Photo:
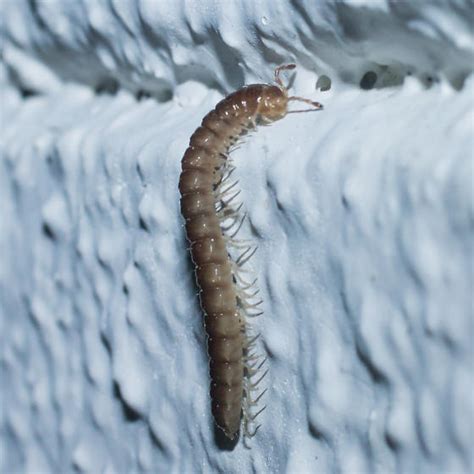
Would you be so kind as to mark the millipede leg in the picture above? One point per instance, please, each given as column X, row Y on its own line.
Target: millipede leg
column 253, row 386
column 251, row 341
column 220, row 194
column 225, row 203
column 249, row 285
column 248, row 296
column 251, row 357
column 254, row 402
column 238, row 243
column 245, row 256
column 239, row 226
column 241, row 260
column 225, row 177
column 239, row 280
column 244, row 301
column 226, row 212
column 253, row 417
column 256, row 363
column 252, row 306
column 250, row 368
column 250, row 434
column 235, row 220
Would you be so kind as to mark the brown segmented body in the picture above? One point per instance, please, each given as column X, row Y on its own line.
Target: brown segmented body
column 222, row 300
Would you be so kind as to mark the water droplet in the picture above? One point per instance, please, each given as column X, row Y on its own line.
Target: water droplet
column 323, row 83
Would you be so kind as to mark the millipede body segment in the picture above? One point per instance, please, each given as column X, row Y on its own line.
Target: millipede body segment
column 212, row 221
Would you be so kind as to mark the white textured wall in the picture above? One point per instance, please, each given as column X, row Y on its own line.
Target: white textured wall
column 363, row 215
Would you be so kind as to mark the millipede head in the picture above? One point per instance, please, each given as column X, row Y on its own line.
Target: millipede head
column 273, row 100
column 289, row 67
column 272, row 103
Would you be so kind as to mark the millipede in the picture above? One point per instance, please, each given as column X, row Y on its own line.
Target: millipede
column 212, row 221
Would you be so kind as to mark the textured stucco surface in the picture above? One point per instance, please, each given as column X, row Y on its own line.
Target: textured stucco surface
column 363, row 215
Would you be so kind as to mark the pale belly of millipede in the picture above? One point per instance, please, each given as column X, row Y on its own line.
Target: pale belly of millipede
column 212, row 221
